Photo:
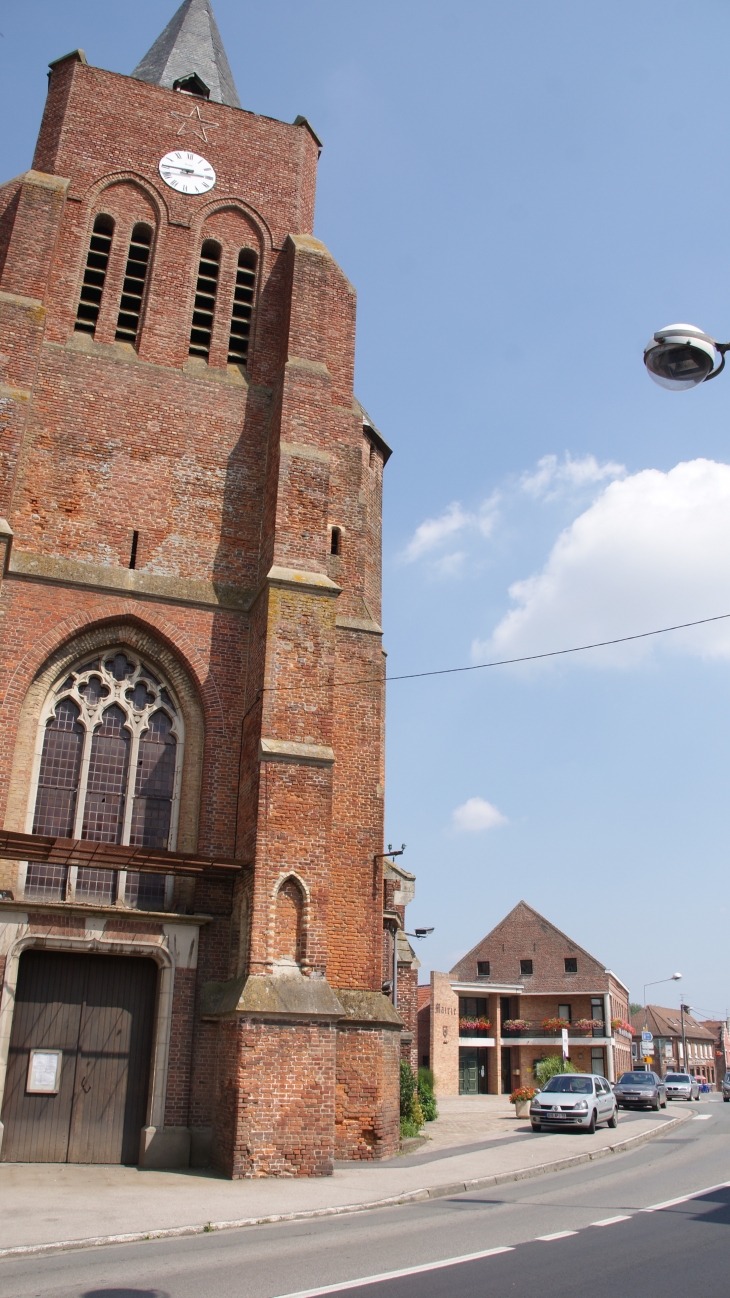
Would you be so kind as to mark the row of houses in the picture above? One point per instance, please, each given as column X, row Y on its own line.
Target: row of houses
column 484, row 1026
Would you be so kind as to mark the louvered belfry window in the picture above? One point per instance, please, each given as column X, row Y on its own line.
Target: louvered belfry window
column 111, row 758
column 242, row 308
column 92, row 287
column 135, row 279
column 206, row 291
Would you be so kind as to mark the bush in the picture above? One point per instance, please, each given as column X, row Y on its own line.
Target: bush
column 407, row 1088
column 551, row 1066
column 425, row 1094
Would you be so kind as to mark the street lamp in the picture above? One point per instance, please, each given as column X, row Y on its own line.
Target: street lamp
column 681, row 356
column 673, row 978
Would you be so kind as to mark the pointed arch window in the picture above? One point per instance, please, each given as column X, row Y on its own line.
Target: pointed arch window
column 135, row 280
column 242, row 308
column 206, row 292
column 108, row 767
column 92, row 288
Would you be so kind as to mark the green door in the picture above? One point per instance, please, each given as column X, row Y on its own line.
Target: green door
column 468, row 1072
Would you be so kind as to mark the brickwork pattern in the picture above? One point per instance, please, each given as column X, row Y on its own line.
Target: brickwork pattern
column 223, row 474
column 367, row 1110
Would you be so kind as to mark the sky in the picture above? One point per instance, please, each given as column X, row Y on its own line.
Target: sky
column 521, row 195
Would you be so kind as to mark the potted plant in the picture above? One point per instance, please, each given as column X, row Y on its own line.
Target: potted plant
column 521, row 1098
column 515, row 1025
column 473, row 1026
column 588, row 1025
column 555, row 1025
column 620, row 1025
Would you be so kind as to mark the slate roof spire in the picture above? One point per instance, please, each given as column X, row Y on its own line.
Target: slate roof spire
column 190, row 48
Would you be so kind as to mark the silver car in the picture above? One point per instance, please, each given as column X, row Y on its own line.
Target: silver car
column 640, row 1090
column 680, row 1086
column 580, row 1100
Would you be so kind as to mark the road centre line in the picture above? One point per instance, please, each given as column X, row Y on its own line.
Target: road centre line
column 684, row 1198
column 558, row 1234
column 395, row 1275
column 610, row 1221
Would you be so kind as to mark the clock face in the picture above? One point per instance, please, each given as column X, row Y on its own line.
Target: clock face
column 188, row 173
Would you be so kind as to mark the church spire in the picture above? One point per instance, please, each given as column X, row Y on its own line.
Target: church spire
column 189, row 55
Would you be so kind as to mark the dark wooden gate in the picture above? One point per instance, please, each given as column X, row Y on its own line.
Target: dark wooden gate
column 98, row 1010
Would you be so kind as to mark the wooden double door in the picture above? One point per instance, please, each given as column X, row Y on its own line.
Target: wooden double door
column 98, row 1012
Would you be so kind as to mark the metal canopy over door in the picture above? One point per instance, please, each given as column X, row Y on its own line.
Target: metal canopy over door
column 99, row 1012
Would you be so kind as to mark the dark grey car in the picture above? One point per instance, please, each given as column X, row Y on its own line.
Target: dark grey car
column 640, row 1091
column 726, row 1087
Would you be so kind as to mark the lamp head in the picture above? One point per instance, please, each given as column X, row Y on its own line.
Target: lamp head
column 680, row 356
column 675, row 977
column 422, row 932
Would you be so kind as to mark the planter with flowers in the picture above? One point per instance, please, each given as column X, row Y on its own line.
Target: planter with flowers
column 474, row 1026
column 555, row 1025
column 588, row 1026
column 515, row 1026
column 620, row 1025
column 521, row 1098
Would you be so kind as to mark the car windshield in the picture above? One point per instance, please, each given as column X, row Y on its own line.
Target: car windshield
column 677, row 1077
column 570, row 1085
column 637, row 1079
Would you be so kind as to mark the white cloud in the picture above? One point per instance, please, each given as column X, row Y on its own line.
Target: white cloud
column 475, row 815
column 433, row 531
column 430, row 533
column 549, row 477
column 653, row 550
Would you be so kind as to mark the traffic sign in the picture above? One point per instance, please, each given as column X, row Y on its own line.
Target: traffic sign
column 647, row 1036
column 647, row 1048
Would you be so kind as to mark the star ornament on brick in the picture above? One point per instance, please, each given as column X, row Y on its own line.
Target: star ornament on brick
column 193, row 123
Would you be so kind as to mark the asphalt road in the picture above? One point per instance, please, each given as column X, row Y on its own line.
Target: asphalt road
column 605, row 1227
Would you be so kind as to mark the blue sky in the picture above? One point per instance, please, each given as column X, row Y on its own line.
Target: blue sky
column 521, row 194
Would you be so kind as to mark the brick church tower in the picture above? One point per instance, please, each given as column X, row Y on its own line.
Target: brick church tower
column 191, row 783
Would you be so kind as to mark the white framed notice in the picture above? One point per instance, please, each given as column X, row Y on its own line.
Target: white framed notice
column 44, row 1072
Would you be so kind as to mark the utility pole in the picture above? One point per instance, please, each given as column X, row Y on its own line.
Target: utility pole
column 682, row 1008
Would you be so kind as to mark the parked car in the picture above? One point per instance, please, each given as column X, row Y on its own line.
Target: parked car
column 726, row 1087
column 574, row 1100
column 680, row 1086
column 640, row 1090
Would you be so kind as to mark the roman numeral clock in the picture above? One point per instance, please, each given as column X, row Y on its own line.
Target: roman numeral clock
column 188, row 173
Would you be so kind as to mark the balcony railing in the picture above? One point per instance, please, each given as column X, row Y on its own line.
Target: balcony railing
column 529, row 1028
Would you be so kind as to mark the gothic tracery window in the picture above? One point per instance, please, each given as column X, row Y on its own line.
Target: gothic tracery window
column 109, row 766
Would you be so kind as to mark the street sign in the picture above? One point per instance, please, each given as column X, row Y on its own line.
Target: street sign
column 566, row 1048
column 647, row 1036
column 647, row 1048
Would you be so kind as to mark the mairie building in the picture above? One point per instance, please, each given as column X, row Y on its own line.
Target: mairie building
column 513, row 1000
column 193, row 944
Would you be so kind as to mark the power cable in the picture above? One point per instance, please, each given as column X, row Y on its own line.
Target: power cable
column 505, row 662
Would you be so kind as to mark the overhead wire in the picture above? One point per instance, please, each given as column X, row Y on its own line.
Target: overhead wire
column 504, row 662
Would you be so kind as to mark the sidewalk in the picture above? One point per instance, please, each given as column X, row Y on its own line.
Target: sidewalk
column 474, row 1140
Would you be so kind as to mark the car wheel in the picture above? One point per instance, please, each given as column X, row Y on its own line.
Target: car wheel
column 664, row 1103
column 592, row 1124
column 536, row 1126
column 613, row 1120
column 726, row 1099
column 697, row 1098
column 655, row 1104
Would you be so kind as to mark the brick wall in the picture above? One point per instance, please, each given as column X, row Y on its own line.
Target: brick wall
column 224, row 474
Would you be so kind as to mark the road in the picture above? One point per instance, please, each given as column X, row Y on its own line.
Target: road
column 603, row 1228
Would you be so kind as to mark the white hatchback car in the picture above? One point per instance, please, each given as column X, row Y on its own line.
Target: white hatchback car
column 574, row 1100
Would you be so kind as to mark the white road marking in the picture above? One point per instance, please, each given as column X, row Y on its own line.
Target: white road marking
column 703, row 1117
column 609, row 1221
column 394, row 1275
column 684, row 1198
column 558, row 1234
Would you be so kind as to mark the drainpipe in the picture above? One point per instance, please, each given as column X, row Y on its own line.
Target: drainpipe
column 609, row 1033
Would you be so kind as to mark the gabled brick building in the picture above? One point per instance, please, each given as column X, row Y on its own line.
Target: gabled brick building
column 669, row 1055
column 501, row 1010
column 191, row 772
